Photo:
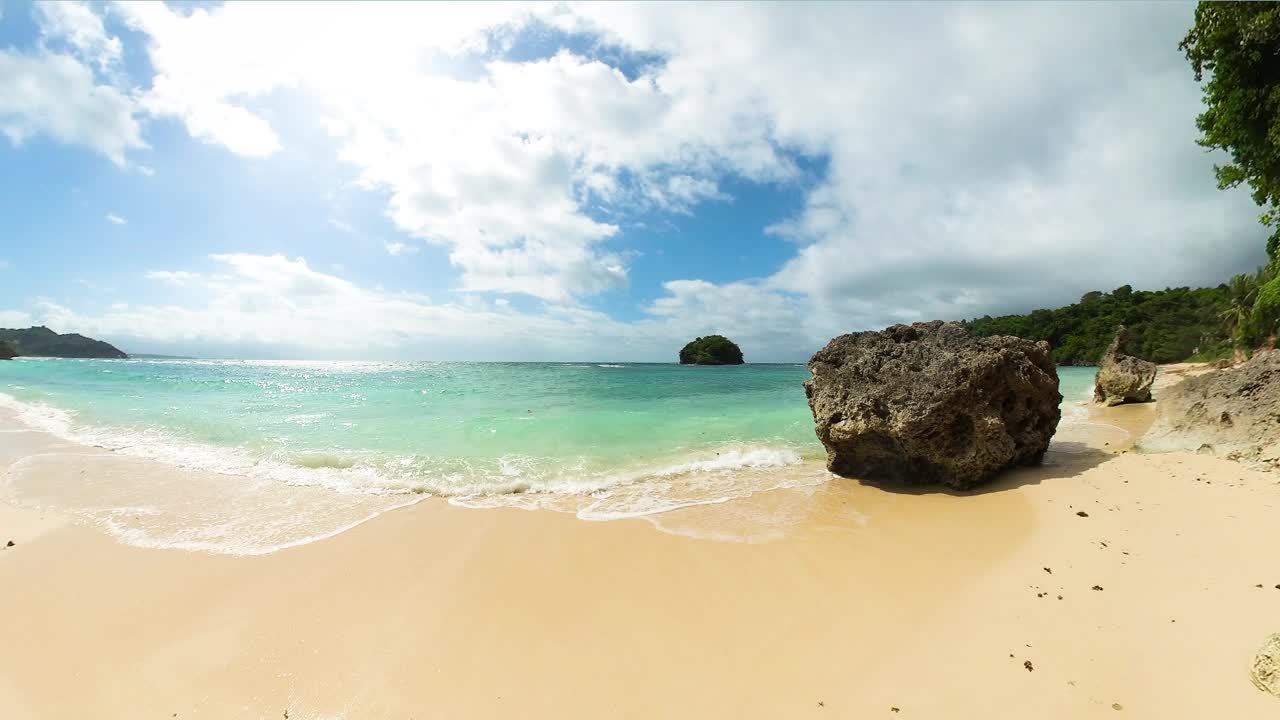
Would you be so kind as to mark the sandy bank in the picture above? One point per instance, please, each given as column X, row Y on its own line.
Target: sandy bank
column 866, row 600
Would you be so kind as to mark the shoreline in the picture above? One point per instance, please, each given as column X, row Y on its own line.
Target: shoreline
column 869, row 599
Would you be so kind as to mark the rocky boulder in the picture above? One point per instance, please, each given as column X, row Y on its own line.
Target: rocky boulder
column 930, row 403
column 1122, row 378
column 1265, row 672
column 1231, row 413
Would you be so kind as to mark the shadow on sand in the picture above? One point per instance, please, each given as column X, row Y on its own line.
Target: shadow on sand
column 1063, row 460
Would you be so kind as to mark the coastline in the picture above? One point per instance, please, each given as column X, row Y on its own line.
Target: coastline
column 840, row 600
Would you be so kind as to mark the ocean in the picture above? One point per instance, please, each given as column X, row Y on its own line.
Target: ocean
column 603, row 440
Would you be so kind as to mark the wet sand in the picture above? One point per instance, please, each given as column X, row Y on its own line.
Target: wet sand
column 843, row 601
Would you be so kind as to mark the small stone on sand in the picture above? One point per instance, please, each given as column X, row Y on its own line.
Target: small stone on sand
column 1082, row 513
column 1027, row 664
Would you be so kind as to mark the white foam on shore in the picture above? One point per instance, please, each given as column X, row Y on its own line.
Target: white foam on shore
column 252, row 511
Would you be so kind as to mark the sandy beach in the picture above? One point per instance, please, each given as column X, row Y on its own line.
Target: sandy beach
column 1104, row 584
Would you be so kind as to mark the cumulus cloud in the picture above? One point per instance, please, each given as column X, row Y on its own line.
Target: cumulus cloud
column 115, row 219
column 273, row 305
column 56, row 95
column 978, row 156
column 52, row 90
column 973, row 158
column 76, row 24
column 981, row 158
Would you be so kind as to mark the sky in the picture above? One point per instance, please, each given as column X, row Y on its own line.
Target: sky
column 563, row 181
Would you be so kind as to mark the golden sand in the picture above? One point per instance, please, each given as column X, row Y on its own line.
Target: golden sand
column 861, row 600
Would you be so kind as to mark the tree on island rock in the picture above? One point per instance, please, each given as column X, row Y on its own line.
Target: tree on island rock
column 711, row 350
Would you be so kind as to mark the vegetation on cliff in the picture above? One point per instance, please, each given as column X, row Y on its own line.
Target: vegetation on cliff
column 42, row 342
column 1163, row 325
column 711, row 350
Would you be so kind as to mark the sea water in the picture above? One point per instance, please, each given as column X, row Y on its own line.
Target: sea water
column 604, row 440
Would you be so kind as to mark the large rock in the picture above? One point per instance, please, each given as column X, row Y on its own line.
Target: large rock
column 1265, row 672
column 1122, row 378
column 1231, row 413
column 6, row 351
column 930, row 403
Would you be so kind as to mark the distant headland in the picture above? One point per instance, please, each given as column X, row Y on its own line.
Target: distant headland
column 40, row 341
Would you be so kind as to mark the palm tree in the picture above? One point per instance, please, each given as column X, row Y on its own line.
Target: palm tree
column 1241, row 290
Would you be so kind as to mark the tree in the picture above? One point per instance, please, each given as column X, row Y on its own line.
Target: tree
column 1236, row 317
column 1237, row 44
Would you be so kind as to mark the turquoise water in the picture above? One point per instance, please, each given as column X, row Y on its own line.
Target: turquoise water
column 441, row 428
column 626, row 439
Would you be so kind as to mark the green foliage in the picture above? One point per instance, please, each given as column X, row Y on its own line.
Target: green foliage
column 1237, row 46
column 1266, row 307
column 1164, row 325
column 711, row 350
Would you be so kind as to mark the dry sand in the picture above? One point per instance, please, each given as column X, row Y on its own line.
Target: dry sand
column 872, row 603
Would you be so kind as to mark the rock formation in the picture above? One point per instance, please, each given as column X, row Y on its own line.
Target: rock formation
column 6, row 351
column 1231, row 413
column 930, row 403
column 1265, row 672
column 711, row 350
column 40, row 341
column 1122, row 378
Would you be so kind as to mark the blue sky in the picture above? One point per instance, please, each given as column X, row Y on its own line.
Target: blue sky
column 589, row 181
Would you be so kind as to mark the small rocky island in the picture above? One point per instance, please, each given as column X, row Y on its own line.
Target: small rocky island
column 1122, row 378
column 40, row 341
column 928, row 403
column 711, row 350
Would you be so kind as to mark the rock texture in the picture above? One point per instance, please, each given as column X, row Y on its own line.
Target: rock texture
column 1232, row 413
column 6, row 351
column 1122, row 378
column 930, row 403
column 1266, row 666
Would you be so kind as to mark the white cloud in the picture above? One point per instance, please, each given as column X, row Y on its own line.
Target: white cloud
column 146, row 170
column 76, row 24
column 116, row 219
column 973, row 162
column 272, row 305
column 340, row 225
column 969, row 160
column 15, row 319
column 173, row 277
column 56, row 95
column 399, row 248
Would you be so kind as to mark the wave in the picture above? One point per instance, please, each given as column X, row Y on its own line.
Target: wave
column 466, row 481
